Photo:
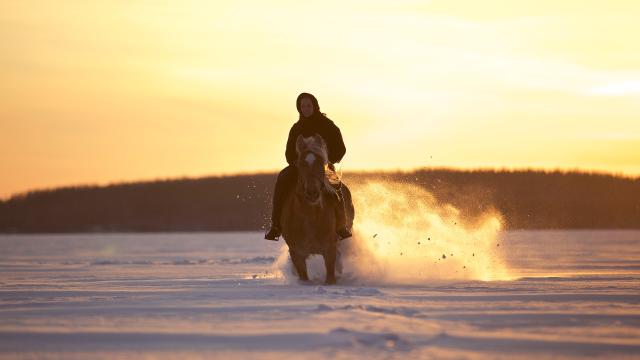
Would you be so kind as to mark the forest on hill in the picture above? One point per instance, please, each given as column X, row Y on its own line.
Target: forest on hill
column 526, row 200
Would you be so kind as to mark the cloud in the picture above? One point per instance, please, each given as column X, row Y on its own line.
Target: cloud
column 619, row 88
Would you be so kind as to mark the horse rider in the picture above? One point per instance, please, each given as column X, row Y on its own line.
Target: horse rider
column 311, row 121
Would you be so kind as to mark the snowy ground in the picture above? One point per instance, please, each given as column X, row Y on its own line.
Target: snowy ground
column 219, row 295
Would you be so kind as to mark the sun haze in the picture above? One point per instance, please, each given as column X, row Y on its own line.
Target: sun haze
column 98, row 92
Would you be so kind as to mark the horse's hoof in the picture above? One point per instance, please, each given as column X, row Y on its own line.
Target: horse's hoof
column 330, row 282
column 344, row 233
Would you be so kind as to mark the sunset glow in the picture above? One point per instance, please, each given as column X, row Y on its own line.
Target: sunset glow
column 100, row 92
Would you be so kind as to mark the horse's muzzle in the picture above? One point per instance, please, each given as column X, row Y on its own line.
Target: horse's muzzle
column 311, row 195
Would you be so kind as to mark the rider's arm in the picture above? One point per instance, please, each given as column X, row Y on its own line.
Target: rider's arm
column 335, row 144
column 290, row 153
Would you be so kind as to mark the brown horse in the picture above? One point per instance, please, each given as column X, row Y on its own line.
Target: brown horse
column 309, row 213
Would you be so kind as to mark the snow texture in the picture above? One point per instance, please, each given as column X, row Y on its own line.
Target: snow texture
column 569, row 294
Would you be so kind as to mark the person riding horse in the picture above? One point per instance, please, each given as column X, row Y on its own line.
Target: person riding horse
column 311, row 121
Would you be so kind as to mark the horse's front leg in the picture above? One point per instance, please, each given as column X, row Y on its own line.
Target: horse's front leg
column 330, row 264
column 300, row 264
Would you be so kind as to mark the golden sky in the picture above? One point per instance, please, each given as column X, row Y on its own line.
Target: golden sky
column 95, row 92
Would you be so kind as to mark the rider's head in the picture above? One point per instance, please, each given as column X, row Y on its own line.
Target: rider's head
column 307, row 105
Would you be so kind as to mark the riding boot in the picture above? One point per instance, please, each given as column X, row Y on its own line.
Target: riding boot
column 275, row 232
column 341, row 218
column 286, row 178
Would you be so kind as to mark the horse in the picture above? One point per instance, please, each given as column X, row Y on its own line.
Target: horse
column 309, row 213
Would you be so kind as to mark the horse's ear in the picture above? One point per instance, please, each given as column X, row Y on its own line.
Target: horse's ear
column 300, row 145
column 318, row 139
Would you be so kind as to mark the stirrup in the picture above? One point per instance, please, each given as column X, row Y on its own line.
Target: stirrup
column 273, row 233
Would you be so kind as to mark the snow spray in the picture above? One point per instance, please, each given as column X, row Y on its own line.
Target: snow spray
column 402, row 235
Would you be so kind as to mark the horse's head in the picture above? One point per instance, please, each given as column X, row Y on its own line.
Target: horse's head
column 312, row 160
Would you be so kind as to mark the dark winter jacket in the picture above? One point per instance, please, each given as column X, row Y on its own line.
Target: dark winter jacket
column 321, row 125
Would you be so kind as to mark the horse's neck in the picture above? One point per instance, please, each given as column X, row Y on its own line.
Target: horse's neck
column 298, row 197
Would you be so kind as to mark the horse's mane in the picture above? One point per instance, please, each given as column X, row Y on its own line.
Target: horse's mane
column 330, row 178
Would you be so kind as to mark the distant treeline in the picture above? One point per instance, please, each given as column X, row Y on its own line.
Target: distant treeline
column 526, row 200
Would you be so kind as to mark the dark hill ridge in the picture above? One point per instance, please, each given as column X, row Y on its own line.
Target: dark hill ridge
column 526, row 199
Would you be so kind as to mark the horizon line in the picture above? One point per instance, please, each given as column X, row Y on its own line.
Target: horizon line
column 366, row 171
